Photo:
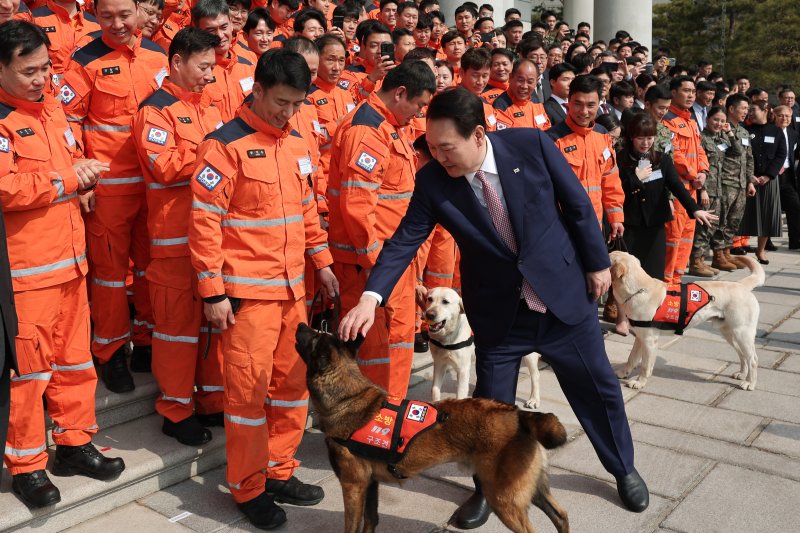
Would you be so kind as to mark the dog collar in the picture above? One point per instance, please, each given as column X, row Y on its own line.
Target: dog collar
column 457, row 346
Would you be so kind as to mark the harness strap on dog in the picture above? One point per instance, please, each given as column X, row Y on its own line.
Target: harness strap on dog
column 388, row 434
column 678, row 308
column 457, row 346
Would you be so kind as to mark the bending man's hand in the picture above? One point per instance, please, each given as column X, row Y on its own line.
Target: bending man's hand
column 220, row 314
column 359, row 319
column 329, row 281
column 597, row 283
column 617, row 229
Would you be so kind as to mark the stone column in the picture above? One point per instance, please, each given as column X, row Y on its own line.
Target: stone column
column 633, row 16
column 576, row 11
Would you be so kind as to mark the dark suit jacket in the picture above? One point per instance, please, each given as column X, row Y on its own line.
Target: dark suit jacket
column 555, row 111
column 768, row 157
column 8, row 321
column 553, row 219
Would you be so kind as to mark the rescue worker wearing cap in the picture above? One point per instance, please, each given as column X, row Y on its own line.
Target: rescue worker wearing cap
column 514, row 108
column 67, row 25
column 369, row 188
column 692, row 166
column 369, row 67
column 42, row 173
column 253, row 221
column 475, row 69
column 167, row 130
column 233, row 74
column 589, row 151
column 104, row 84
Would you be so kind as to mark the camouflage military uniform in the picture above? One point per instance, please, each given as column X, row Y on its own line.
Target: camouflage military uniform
column 737, row 169
column 714, row 146
column 663, row 142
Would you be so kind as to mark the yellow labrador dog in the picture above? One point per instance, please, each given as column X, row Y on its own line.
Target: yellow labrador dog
column 731, row 305
column 452, row 345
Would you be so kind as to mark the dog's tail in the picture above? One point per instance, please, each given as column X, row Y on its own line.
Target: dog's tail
column 545, row 427
column 756, row 277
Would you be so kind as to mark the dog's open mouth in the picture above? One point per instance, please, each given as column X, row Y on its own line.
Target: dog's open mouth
column 436, row 326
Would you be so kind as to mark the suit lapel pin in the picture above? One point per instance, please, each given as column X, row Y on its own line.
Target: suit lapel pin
column 516, row 171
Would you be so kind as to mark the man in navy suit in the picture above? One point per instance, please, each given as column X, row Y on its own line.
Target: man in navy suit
column 533, row 292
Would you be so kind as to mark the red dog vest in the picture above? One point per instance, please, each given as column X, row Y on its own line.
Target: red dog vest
column 387, row 436
column 679, row 306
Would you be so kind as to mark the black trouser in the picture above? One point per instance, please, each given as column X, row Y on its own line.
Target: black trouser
column 790, row 202
column 5, row 398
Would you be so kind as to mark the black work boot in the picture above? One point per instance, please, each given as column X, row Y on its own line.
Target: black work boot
column 188, row 431
column 474, row 512
column 142, row 358
column 420, row 344
column 211, row 419
column 115, row 373
column 86, row 460
column 294, row 491
column 35, row 489
column 262, row 512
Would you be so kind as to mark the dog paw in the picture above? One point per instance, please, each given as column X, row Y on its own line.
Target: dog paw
column 636, row 384
column 532, row 404
column 622, row 374
column 738, row 375
column 746, row 385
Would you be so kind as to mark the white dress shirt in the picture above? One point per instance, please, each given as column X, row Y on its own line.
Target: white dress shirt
column 787, row 162
column 489, row 167
column 700, row 113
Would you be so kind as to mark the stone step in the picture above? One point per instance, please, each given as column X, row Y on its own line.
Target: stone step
column 153, row 462
column 112, row 409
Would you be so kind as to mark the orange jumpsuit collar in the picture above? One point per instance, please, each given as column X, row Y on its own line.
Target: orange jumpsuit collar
column 684, row 114
column 378, row 104
column 498, row 84
column 182, row 94
column 247, row 114
column 132, row 48
column 26, row 105
column 324, row 85
column 580, row 130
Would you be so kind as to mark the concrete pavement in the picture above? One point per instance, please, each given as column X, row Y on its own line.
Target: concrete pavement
column 716, row 458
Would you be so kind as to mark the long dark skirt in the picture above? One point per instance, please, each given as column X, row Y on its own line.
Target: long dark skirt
column 762, row 212
column 649, row 246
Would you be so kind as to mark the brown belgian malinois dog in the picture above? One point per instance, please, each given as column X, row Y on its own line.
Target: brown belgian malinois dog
column 501, row 444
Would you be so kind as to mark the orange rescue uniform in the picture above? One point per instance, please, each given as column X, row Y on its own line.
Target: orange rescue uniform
column 167, row 130
column 65, row 32
column 233, row 82
column 590, row 154
column 103, row 86
column 253, row 221
column 690, row 160
column 493, row 90
column 513, row 113
column 47, row 253
column 369, row 188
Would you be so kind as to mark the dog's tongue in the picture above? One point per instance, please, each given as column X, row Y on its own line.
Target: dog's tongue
column 437, row 326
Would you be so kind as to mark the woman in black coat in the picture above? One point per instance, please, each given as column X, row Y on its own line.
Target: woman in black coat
column 762, row 212
column 647, row 178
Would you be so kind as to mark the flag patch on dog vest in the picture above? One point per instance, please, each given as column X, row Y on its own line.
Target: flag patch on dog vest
column 680, row 305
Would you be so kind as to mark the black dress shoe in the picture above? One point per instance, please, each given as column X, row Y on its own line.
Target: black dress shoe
column 142, row 359
column 770, row 247
column 86, row 460
column 294, row 491
column 211, row 420
column 115, row 373
column 188, row 431
column 749, row 249
column 738, row 250
column 762, row 261
column 473, row 513
column 35, row 489
column 262, row 512
column 633, row 492
column 420, row 344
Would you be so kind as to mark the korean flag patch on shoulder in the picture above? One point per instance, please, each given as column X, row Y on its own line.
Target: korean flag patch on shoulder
column 157, row 136
column 5, row 145
column 209, row 177
column 366, row 161
column 66, row 94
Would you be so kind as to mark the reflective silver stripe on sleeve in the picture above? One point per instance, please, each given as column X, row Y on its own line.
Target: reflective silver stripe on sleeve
column 169, row 242
column 355, row 184
column 175, row 338
column 360, row 251
column 106, row 283
column 121, row 181
column 73, row 368
column 261, row 282
column 145, row 323
column 246, row 421
column 333, row 192
column 184, row 401
column 204, row 275
column 316, row 249
column 438, row 274
column 262, row 223
column 308, row 200
column 400, row 345
column 286, row 403
column 370, row 362
column 210, row 388
column 59, row 185
column 64, row 263
column 170, row 186
column 60, row 199
column 34, row 376
column 208, row 207
column 104, row 127
column 101, row 340
column 395, row 196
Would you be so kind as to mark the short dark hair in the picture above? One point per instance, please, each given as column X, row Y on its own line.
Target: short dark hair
column 657, row 92
column 420, row 144
column 450, row 36
column 586, row 84
column 609, row 121
column 384, row 3
column 20, row 38
column 476, row 59
column 209, row 9
column 306, row 15
column 461, row 106
column 742, row 77
column 487, row 6
column 347, row 10
column 369, row 27
column 516, row 23
column 301, row 45
column 280, row 66
column 291, row 4
column 785, row 89
column 415, row 76
column 400, row 32
column 466, row 7
column 244, row 3
column 482, row 20
column 402, row 6
column 521, row 62
column 437, row 15
column 256, row 16
column 620, row 89
column 419, row 54
column 556, row 71
column 584, row 25
column 581, row 61
column 734, row 100
column 703, row 86
column 191, row 40
column 643, row 80
column 505, row 52
column 327, row 40
column 676, row 82
column 424, row 22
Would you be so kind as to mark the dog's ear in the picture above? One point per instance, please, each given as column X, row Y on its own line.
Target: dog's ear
column 355, row 344
column 618, row 269
column 461, row 306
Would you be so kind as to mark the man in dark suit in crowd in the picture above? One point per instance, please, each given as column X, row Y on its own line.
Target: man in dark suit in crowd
column 555, row 106
column 789, row 190
column 8, row 324
column 533, row 263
